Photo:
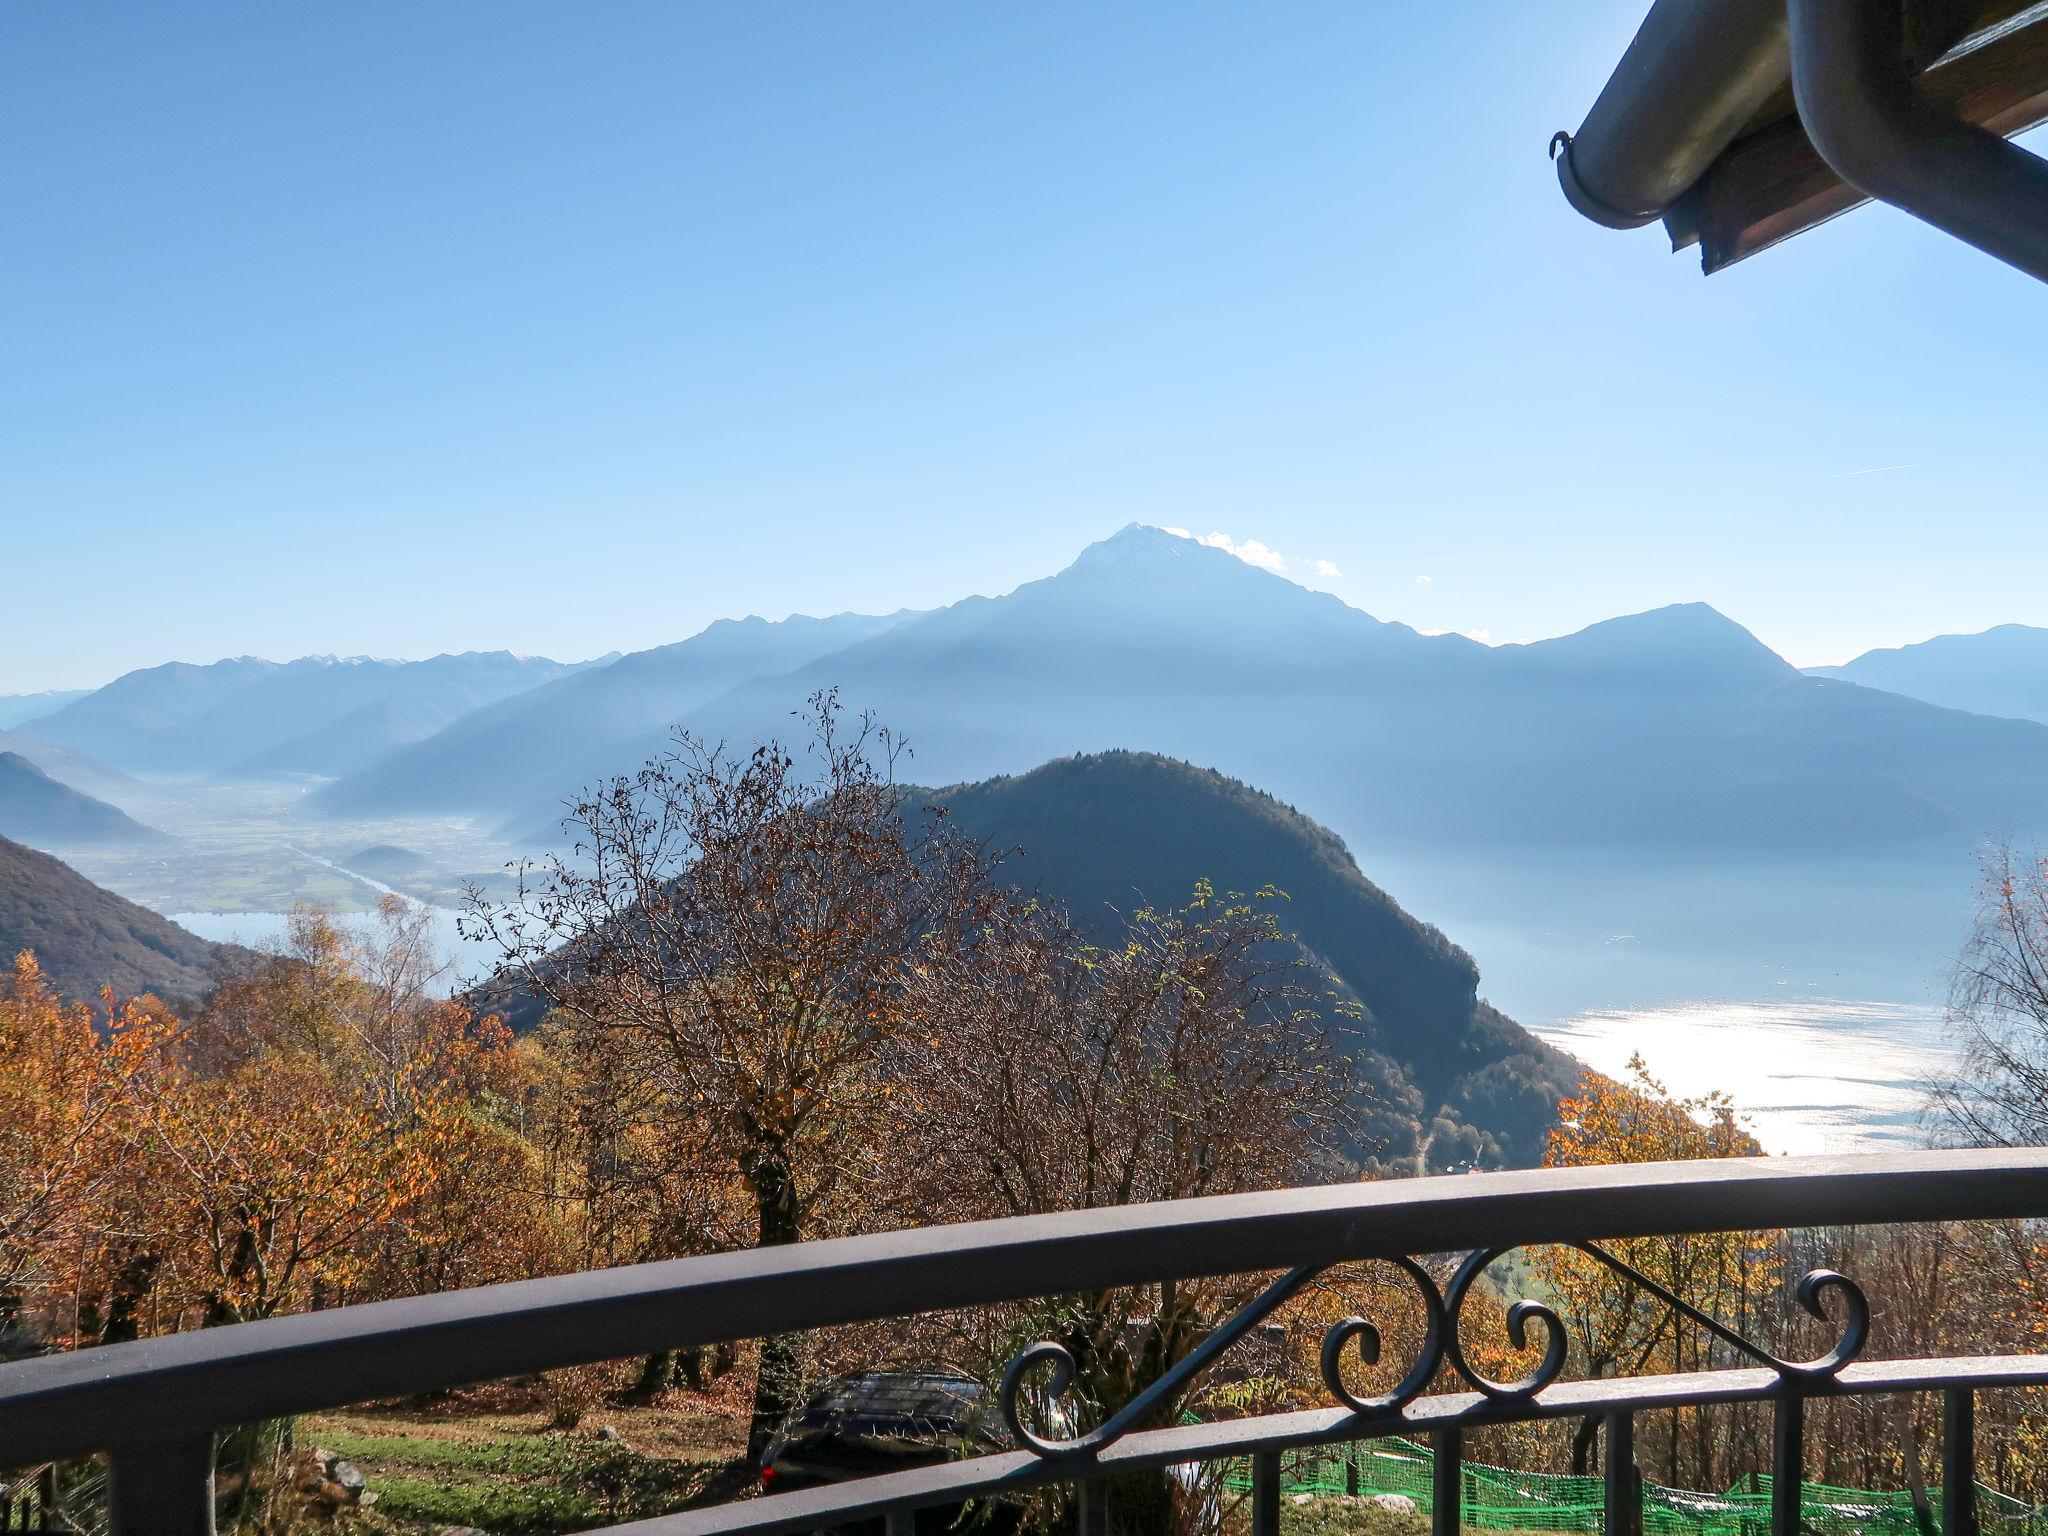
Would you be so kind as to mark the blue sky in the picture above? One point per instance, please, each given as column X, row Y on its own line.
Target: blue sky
column 393, row 328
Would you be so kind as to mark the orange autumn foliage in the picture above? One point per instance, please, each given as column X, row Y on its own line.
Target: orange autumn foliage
column 56, row 1118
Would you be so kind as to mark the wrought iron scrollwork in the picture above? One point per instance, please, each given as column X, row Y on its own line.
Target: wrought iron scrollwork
column 1009, row 1395
column 1443, row 1313
column 1520, row 1315
column 1367, row 1338
column 1812, row 1288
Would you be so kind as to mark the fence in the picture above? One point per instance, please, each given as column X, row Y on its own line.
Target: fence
column 1503, row 1499
column 157, row 1405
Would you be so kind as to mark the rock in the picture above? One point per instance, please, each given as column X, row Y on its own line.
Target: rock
column 1300, row 1498
column 462, row 1530
column 1393, row 1503
column 349, row 1478
column 607, row 1432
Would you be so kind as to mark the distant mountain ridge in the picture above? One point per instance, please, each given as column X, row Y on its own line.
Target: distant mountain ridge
column 16, row 708
column 1673, row 734
column 1448, row 1079
column 1668, row 734
column 1999, row 671
column 514, row 751
column 86, row 938
column 37, row 810
column 86, row 774
column 247, row 717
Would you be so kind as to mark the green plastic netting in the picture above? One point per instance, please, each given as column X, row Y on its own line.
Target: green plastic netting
column 1498, row 1498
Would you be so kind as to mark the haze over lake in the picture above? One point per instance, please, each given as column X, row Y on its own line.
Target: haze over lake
column 1816, row 1003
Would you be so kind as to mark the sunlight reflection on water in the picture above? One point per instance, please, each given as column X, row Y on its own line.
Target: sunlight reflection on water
column 1816, row 1075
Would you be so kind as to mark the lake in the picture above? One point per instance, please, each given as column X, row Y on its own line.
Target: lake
column 1813, row 1075
column 1813, row 995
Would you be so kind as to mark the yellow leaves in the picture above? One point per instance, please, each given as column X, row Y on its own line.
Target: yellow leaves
column 53, row 1118
column 1609, row 1122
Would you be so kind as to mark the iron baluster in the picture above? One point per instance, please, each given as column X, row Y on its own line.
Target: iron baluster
column 1958, row 1462
column 1624, row 1483
column 1266, row 1494
column 1788, row 1463
column 163, row 1487
column 1447, row 1482
column 1093, row 1508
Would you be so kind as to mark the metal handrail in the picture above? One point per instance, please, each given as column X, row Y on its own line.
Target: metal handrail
column 155, row 1404
column 833, row 1504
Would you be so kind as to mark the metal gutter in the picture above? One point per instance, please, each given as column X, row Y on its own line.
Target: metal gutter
column 1859, row 106
column 1696, row 72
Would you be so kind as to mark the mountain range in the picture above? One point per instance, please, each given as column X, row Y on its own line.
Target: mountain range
column 580, row 726
column 1671, row 734
column 18, row 707
column 250, row 718
column 86, row 938
column 75, row 769
column 1999, row 671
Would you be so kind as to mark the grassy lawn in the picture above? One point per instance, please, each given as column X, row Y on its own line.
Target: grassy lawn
column 469, row 1464
column 488, row 1459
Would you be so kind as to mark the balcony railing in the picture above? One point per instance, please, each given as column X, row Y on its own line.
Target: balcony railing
column 155, row 1406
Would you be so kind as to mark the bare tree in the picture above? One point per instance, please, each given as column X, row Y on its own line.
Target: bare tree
column 757, row 920
column 1998, row 1011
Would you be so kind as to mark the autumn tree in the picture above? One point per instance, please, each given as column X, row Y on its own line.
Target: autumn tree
column 755, row 918
column 57, row 1124
column 1191, row 1057
column 325, row 1129
column 628, row 1172
column 1616, row 1327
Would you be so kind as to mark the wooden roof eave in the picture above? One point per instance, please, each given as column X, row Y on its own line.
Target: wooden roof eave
column 1771, row 184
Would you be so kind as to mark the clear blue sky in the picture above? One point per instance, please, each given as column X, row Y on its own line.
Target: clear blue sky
column 398, row 328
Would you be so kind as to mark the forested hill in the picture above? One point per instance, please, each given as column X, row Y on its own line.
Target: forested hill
column 1109, row 832
column 86, row 938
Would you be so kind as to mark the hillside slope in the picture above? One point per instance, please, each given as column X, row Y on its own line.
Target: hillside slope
column 86, row 937
column 1107, row 834
column 67, row 766
column 37, row 810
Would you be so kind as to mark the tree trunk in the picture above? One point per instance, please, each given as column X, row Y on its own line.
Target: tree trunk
column 658, row 1373
column 125, row 1298
column 1583, row 1440
column 777, row 1382
column 1143, row 1503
